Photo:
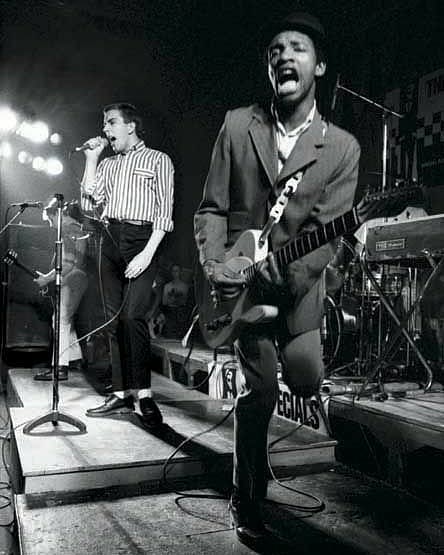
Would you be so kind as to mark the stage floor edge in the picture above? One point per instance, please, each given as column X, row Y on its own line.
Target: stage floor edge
column 118, row 452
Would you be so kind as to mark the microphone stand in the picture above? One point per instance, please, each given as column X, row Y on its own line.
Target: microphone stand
column 5, row 227
column 386, row 112
column 54, row 415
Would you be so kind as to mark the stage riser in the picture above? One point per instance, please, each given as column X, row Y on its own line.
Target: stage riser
column 118, row 452
column 386, row 439
column 75, row 482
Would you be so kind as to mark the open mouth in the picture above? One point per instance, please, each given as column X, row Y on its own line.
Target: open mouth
column 287, row 74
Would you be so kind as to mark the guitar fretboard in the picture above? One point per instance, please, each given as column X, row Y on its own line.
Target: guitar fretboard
column 308, row 242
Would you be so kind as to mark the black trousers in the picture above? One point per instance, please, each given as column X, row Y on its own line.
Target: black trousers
column 302, row 371
column 128, row 333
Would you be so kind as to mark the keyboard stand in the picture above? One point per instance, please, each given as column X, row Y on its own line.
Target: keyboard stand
column 401, row 324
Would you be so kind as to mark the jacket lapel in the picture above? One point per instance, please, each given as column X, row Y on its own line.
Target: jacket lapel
column 306, row 149
column 263, row 136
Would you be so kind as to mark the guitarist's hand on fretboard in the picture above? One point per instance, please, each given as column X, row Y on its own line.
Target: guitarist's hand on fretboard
column 227, row 283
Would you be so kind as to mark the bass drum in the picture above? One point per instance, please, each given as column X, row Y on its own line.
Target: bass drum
column 340, row 331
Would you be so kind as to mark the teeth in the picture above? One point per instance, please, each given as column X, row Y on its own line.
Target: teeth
column 286, row 74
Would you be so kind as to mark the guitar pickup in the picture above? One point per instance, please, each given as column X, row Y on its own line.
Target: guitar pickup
column 220, row 322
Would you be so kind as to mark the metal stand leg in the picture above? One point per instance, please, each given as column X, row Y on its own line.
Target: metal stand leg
column 401, row 324
column 54, row 415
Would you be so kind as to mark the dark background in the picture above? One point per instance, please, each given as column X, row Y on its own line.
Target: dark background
column 184, row 63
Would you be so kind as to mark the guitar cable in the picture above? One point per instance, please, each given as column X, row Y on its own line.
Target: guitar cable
column 318, row 505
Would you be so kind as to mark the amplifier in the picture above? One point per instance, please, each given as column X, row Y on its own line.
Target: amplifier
column 405, row 242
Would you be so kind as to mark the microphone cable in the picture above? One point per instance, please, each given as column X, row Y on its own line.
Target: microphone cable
column 102, row 326
column 102, row 297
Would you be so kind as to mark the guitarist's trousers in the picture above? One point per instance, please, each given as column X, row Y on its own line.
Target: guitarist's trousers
column 302, row 371
column 74, row 285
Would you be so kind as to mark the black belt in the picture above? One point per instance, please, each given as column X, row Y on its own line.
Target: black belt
column 116, row 221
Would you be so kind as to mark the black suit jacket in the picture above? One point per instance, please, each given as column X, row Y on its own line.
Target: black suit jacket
column 243, row 183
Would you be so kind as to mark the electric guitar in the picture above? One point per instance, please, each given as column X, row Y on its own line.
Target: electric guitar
column 11, row 258
column 222, row 320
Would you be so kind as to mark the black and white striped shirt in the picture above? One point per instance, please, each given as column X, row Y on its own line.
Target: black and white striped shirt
column 137, row 185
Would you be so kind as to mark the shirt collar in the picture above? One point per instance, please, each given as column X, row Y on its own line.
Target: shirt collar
column 137, row 146
column 297, row 130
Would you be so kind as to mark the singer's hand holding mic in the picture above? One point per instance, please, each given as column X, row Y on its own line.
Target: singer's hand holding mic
column 95, row 145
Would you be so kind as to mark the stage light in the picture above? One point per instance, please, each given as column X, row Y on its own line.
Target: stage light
column 8, row 119
column 54, row 166
column 36, row 131
column 5, row 149
column 39, row 163
column 55, row 139
column 24, row 157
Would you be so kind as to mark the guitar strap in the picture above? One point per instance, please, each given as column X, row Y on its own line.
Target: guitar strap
column 279, row 206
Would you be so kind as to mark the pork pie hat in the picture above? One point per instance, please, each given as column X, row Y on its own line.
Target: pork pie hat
column 296, row 21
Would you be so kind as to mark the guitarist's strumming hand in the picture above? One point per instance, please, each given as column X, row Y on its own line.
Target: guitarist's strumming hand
column 269, row 278
column 227, row 283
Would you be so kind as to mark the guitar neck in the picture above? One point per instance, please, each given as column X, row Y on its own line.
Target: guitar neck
column 308, row 242
column 30, row 272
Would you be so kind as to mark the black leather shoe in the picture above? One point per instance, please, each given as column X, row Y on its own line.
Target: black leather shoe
column 247, row 522
column 46, row 375
column 113, row 405
column 151, row 415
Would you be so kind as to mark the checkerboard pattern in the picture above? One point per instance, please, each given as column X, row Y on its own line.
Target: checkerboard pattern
column 431, row 132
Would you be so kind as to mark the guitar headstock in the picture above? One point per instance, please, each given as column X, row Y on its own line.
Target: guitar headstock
column 10, row 257
column 388, row 203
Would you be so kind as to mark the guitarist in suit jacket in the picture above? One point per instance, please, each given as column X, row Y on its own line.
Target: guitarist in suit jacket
column 257, row 150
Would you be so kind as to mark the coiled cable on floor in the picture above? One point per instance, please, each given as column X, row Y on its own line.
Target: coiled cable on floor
column 319, row 504
column 164, row 480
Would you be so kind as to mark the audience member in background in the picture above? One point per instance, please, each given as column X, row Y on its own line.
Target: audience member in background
column 155, row 316
column 74, row 284
column 175, row 305
column 175, row 292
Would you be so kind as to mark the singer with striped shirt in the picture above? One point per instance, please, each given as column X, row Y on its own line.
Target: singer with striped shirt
column 134, row 190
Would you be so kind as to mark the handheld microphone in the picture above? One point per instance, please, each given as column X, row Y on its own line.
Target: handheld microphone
column 28, row 204
column 335, row 93
column 92, row 144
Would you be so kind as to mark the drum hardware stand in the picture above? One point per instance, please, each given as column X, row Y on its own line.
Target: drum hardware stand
column 54, row 415
column 413, row 327
column 401, row 323
column 359, row 361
